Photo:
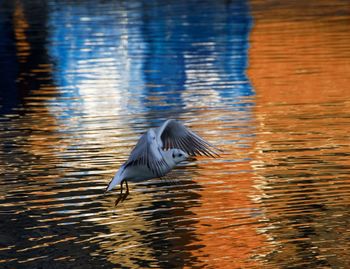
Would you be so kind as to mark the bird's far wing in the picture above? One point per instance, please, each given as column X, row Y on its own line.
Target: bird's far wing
column 173, row 134
column 147, row 152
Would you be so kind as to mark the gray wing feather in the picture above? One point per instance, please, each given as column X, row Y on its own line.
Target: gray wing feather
column 173, row 134
column 147, row 152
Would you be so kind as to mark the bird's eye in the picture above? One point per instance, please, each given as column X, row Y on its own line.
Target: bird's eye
column 180, row 154
column 173, row 155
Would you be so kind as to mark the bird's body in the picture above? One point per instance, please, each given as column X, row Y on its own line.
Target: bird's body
column 141, row 172
column 157, row 152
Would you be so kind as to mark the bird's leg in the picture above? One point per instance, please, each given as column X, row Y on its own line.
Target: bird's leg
column 127, row 191
column 120, row 195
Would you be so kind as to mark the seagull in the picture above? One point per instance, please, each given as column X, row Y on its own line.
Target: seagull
column 157, row 152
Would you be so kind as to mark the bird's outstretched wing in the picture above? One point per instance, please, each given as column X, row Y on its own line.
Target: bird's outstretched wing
column 173, row 134
column 147, row 152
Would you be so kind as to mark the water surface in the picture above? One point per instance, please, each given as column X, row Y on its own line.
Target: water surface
column 265, row 82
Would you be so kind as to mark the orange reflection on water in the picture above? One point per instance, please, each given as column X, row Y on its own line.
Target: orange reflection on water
column 21, row 26
column 228, row 218
column 299, row 52
column 299, row 66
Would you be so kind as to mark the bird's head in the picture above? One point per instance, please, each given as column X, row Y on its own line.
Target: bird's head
column 178, row 155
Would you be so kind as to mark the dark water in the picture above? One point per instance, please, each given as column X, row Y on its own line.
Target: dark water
column 268, row 83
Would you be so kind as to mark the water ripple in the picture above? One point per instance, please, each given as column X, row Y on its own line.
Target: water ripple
column 87, row 79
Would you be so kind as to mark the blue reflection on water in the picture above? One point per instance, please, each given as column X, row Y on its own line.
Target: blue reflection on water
column 96, row 60
column 211, row 37
column 151, row 56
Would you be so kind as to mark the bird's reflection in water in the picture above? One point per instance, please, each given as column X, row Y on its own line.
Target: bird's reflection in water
column 173, row 221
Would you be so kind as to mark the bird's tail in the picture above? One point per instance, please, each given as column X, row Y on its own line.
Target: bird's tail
column 117, row 179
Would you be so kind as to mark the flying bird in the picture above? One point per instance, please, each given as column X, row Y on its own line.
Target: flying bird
column 157, row 152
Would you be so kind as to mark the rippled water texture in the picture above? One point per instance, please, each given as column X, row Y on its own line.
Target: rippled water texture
column 267, row 82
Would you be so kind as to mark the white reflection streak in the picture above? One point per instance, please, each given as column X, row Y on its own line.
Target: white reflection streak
column 104, row 91
column 200, row 75
column 94, row 61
